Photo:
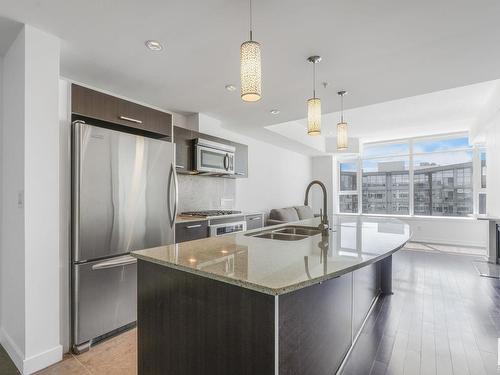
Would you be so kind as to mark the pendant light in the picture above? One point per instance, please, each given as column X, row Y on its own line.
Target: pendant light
column 314, row 104
column 250, row 68
column 342, row 141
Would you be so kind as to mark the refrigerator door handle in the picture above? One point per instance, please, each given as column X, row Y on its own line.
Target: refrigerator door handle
column 172, row 176
column 117, row 262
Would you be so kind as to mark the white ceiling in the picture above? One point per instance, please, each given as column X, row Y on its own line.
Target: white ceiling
column 379, row 50
column 446, row 111
column 8, row 32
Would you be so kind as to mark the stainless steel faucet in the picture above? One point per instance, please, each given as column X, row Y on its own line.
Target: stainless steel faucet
column 324, row 226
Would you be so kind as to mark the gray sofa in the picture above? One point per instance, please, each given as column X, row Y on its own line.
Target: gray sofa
column 287, row 214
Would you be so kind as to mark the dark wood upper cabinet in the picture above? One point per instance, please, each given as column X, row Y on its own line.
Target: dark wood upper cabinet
column 104, row 107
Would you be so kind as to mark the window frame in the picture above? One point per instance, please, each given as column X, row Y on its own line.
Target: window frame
column 477, row 190
column 477, row 174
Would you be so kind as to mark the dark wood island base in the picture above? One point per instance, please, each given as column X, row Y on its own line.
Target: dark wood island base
column 189, row 324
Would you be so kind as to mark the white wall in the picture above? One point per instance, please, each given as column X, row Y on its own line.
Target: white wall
column 276, row 177
column 493, row 168
column 323, row 170
column 451, row 231
column 1, row 178
column 30, row 226
column 64, row 209
column 12, row 262
column 487, row 129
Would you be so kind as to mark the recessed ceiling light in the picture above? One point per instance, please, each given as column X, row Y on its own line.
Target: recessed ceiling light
column 274, row 111
column 154, row 45
column 230, row 87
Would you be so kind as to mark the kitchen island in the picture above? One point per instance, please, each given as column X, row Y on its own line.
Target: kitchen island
column 245, row 305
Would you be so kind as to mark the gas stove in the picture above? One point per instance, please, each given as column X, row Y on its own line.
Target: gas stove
column 206, row 213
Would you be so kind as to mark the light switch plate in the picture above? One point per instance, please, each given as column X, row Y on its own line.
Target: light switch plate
column 20, row 199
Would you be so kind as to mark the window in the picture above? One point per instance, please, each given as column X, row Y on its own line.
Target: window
column 483, row 169
column 348, row 203
column 442, row 183
column 421, row 176
column 348, row 176
column 385, row 186
column 348, row 186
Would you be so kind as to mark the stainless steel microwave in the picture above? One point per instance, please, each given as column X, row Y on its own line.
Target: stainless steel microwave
column 213, row 157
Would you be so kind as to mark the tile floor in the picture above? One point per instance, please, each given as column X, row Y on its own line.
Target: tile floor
column 116, row 356
column 442, row 319
column 6, row 365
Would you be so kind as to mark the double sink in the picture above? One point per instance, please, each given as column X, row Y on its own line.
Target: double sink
column 287, row 233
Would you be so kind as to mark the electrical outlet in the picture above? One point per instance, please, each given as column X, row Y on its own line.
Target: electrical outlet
column 226, row 203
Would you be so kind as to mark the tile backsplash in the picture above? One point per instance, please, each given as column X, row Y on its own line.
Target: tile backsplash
column 206, row 193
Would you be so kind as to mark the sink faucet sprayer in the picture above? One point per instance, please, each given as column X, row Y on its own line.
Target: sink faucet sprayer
column 324, row 226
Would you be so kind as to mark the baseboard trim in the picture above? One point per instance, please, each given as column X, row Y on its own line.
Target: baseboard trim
column 34, row 363
column 448, row 242
column 43, row 360
column 15, row 354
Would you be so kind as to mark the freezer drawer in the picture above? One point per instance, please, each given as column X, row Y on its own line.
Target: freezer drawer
column 105, row 297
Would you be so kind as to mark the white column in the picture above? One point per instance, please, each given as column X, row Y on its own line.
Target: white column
column 30, row 219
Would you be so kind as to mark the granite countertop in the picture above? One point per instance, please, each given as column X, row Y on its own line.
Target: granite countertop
column 277, row 267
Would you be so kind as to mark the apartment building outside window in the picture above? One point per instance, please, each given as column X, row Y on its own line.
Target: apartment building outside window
column 427, row 177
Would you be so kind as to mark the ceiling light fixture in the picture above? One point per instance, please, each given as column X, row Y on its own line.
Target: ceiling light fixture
column 250, row 68
column 314, row 104
column 230, row 87
column 153, row 45
column 274, row 111
column 342, row 140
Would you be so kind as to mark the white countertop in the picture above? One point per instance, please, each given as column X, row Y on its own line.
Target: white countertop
column 277, row 267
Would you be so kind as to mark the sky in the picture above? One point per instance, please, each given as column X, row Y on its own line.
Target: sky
column 418, row 147
column 444, row 148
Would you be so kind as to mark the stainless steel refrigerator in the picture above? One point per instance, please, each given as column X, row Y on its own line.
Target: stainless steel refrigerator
column 124, row 198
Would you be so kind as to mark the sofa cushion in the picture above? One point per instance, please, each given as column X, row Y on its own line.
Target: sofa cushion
column 284, row 214
column 304, row 212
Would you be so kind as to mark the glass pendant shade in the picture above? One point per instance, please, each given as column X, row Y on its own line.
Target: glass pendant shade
column 314, row 116
column 342, row 136
column 250, row 71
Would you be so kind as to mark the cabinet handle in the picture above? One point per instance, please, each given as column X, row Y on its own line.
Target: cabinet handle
column 239, row 173
column 193, row 226
column 131, row 119
column 254, row 218
column 180, row 166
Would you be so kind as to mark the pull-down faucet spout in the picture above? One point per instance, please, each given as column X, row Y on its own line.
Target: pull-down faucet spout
column 324, row 226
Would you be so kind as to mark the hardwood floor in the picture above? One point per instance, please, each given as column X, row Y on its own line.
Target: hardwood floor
column 442, row 319
column 432, row 247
